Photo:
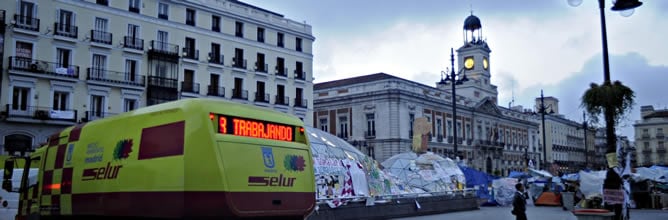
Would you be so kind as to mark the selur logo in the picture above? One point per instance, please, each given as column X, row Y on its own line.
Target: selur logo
column 294, row 163
column 101, row 173
column 123, row 149
column 280, row 181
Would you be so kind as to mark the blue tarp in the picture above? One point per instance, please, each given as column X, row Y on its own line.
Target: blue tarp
column 478, row 178
column 518, row 175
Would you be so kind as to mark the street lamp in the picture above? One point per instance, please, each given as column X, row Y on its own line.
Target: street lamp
column 626, row 8
column 541, row 109
column 454, row 79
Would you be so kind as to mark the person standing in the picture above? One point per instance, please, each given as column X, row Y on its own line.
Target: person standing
column 519, row 203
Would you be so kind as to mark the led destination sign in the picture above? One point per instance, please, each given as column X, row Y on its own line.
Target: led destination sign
column 254, row 128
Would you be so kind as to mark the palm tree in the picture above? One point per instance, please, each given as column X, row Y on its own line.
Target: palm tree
column 614, row 100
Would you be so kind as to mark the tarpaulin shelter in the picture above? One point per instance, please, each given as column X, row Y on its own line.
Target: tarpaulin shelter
column 426, row 171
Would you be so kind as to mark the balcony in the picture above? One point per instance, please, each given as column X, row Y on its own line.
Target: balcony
column 133, row 43
column 94, row 115
column 281, row 71
column 439, row 138
column 450, row 139
column 216, row 58
column 163, row 16
column 661, row 150
column 40, row 114
column 39, row 68
column 300, row 75
column 108, row 77
column 162, row 82
column 65, row 30
column 370, row 134
column 261, row 97
column 190, row 87
column 469, row 141
column 163, row 50
column 645, row 135
column 660, row 135
column 101, row 37
column 282, row 100
column 239, row 63
column 215, row 90
column 239, row 94
column 190, row 53
column 647, row 150
column 262, row 68
column 27, row 23
column 301, row 103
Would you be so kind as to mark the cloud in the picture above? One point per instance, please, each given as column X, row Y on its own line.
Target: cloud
column 632, row 69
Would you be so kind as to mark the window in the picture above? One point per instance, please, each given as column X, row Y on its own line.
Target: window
column 215, row 23
column 23, row 49
column 100, row 34
column 98, row 67
column 343, row 127
column 449, row 127
column 260, row 34
column 298, row 44
column 324, row 125
column 129, row 105
column 239, row 29
column 134, row 6
column 468, row 131
column 190, row 17
column 65, row 25
column 163, row 39
column 133, row 31
column 260, row 93
column 259, row 64
column 20, row 98
column 214, row 56
column 439, row 127
column 27, row 16
column 279, row 39
column 102, row 2
column 299, row 94
column 64, row 57
column 60, row 100
column 280, row 95
column 411, row 119
column 131, row 69
column 299, row 72
column 280, row 66
column 96, row 106
column 163, row 11
column 238, row 60
column 370, row 125
column 189, row 49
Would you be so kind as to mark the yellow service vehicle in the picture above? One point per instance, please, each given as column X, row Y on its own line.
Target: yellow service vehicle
column 186, row 159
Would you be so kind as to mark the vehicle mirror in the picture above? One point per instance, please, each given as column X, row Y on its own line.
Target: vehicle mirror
column 7, row 178
column 9, row 169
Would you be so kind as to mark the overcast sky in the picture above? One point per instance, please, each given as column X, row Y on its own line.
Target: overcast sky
column 535, row 45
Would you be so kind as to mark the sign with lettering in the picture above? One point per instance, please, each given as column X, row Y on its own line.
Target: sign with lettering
column 254, row 128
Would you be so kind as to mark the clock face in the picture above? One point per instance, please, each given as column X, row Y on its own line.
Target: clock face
column 468, row 63
column 485, row 63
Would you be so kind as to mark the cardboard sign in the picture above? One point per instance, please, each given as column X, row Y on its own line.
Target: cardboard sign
column 613, row 196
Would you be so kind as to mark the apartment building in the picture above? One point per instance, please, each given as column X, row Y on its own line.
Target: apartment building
column 650, row 136
column 72, row 61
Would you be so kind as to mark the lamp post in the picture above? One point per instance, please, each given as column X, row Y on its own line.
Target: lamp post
column 626, row 8
column 453, row 80
column 584, row 126
column 541, row 109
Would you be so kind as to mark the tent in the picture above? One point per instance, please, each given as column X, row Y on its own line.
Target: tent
column 426, row 171
column 518, row 175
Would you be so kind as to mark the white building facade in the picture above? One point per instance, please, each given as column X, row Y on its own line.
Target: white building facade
column 66, row 62
column 650, row 136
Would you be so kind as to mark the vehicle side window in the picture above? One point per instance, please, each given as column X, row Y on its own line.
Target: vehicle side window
column 32, row 172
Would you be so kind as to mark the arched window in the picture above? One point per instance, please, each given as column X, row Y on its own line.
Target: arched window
column 17, row 142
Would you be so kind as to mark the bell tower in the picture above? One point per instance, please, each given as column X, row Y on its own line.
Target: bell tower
column 474, row 61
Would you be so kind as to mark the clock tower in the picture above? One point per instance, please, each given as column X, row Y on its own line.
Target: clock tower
column 474, row 62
